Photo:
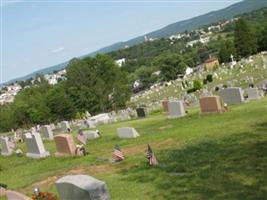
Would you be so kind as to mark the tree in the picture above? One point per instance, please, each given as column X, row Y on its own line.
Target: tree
column 263, row 40
column 61, row 108
column 96, row 84
column 7, row 119
column 245, row 42
column 226, row 50
column 145, row 75
column 170, row 66
column 197, row 85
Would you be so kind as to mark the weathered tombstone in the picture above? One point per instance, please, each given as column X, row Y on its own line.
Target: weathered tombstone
column 2, row 191
column 90, row 135
column 211, row 104
column 232, row 95
column 52, row 126
column 35, row 146
column 65, row 145
column 165, row 106
column 141, row 112
column 253, row 93
column 91, row 123
column 81, row 187
column 13, row 195
column 47, row 132
column 127, row 132
column 65, row 126
column 6, row 150
column 176, row 109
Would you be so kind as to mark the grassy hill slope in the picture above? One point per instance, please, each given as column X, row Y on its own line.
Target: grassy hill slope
column 217, row 156
column 238, row 77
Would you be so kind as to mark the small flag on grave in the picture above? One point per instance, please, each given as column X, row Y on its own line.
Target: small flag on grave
column 118, row 155
column 152, row 161
column 81, row 137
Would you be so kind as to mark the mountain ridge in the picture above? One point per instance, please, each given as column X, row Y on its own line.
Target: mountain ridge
column 171, row 29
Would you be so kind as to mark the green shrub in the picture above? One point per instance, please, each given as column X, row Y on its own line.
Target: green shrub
column 209, row 78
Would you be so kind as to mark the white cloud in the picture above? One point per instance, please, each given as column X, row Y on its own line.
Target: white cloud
column 57, row 50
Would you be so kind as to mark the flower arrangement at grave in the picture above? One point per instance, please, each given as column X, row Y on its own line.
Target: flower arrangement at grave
column 44, row 196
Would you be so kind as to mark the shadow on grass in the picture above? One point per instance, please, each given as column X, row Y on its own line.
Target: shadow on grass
column 261, row 127
column 232, row 168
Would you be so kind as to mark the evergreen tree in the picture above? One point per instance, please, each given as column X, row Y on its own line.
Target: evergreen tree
column 245, row 43
column 263, row 40
column 226, row 50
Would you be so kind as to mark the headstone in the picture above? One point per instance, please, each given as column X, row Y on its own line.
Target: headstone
column 210, row 104
column 13, row 195
column 176, row 109
column 6, row 150
column 2, row 192
column 53, row 127
column 140, row 112
column 127, row 132
column 90, row 135
column 165, row 106
column 65, row 126
column 65, row 145
column 102, row 118
column 91, row 123
column 81, row 187
column 47, row 132
column 253, row 93
column 233, row 95
column 35, row 146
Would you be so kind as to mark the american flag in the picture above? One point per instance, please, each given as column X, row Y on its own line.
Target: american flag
column 152, row 161
column 81, row 137
column 118, row 155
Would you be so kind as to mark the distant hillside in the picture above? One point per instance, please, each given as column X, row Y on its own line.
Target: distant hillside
column 193, row 23
column 178, row 27
column 41, row 71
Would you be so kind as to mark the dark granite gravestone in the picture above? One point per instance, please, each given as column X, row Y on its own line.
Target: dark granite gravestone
column 140, row 112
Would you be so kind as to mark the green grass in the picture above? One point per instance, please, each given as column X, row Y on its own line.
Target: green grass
column 216, row 156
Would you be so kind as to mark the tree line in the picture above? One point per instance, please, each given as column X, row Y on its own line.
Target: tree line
column 93, row 84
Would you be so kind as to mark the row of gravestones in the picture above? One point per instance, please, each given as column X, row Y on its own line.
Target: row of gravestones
column 65, row 144
column 175, row 109
column 209, row 104
column 71, row 187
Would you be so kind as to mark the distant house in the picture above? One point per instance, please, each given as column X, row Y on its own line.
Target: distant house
column 211, row 63
column 120, row 62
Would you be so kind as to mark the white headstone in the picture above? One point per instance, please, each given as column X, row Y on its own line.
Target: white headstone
column 90, row 135
column 91, row 123
column 65, row 126
column 232, row 95
column 176, row 109
column 253, row 93
column 47, row 132
column 127, row 132
column 81, row 187
column 35, row 146
column 5, row 148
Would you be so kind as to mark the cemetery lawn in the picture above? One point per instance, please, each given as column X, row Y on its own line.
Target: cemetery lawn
column 216, row 156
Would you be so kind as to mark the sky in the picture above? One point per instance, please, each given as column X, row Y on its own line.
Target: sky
column 36, row 34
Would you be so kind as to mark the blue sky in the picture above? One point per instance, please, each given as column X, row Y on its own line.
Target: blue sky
column 39, row 34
